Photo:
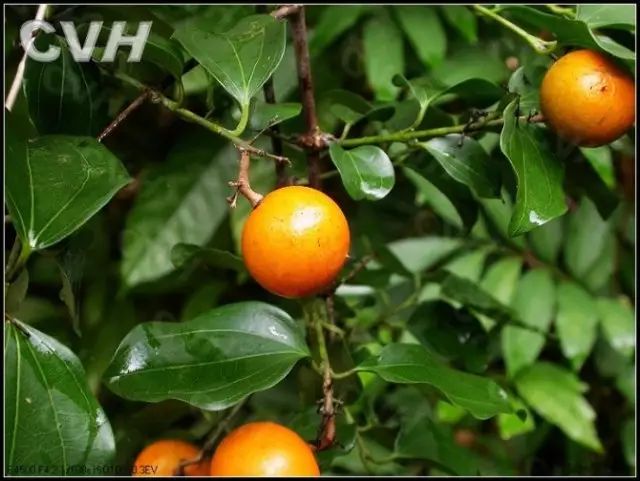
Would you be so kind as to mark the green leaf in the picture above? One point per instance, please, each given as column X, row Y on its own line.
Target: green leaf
column 468, row 63
column 366, row 171
column 585, row 240
column 576, row 323
column 421, row 438
column 177, row 205
column 420, row 253
column 425, row 32
column 467, row 163
column 463, row 20
column 467, row 293
column 610, row 16
column 428, row 193
column 53, row 420
column 555, row 394
column 58, row 185
column 383, row 56
column 266, row 115
column 511, row 425
column 540, row 196
column 212, row 361
column 526, row 84
column 242, row 58
column 546, row 240
column 535, row 303
column 333, row 22
column 601, row 159
column 158, row 50
column 500, row 281
column 449, row 413
column 568, row 32
column 64, row 96
column 618, row 324
column 413, row 364
column 182, row 254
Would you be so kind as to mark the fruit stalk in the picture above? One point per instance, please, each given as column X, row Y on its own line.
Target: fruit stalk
column 242, row 184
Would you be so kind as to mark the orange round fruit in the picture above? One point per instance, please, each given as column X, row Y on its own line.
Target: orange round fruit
column 588, row 99
column 263, row 449
column 162, row 458
column 295, row 241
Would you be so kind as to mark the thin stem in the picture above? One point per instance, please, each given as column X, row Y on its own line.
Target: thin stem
column 313, row 137
column 17, row 262
column 17, row 80
column 244, row 118
column 139, row 100
column 539, row 45
column 405, row 136
column 190, row 116
column 207, row 447
column 564, row 11
column 242, row 184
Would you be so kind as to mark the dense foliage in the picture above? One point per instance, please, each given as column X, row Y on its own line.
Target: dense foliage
column 484, row 322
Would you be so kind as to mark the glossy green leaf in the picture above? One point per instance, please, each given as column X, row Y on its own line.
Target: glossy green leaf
column 568, row 32
column 526, row 87
column 383, row 56
column 535, row 303
column 610, row 16
column 618, row 324
column 422, row 438
column 182, row 254
column 556, row 395
column 64, row 96
column 463, row 20
column 466, row 162
column 468, row 63
column 53, row 421
column 242, row 58
column 449, row 413
column 333, row 22
column 499, row 213
column 424, row 30
column 576, row 323
column 58, row 185
column 366, row 172
column 413, row 364
column 585, row 239
column 266, row 115
column 177, row 205
column 586, row 181
column 212, row 361
column 539, row 174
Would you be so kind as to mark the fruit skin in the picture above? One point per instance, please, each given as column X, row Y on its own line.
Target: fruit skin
column 588, row 99
column 295, row 241
column 163, row 457
column 263, row 449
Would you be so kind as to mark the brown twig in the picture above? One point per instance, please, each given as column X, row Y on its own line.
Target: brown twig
column 242, row 184
column 139, row 100
column 313, row 140
column 285, row 11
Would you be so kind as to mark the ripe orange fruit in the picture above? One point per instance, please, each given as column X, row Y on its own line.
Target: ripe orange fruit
column 295, row 241
column 588, row 99
column 263, row 449
column 162, row 458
